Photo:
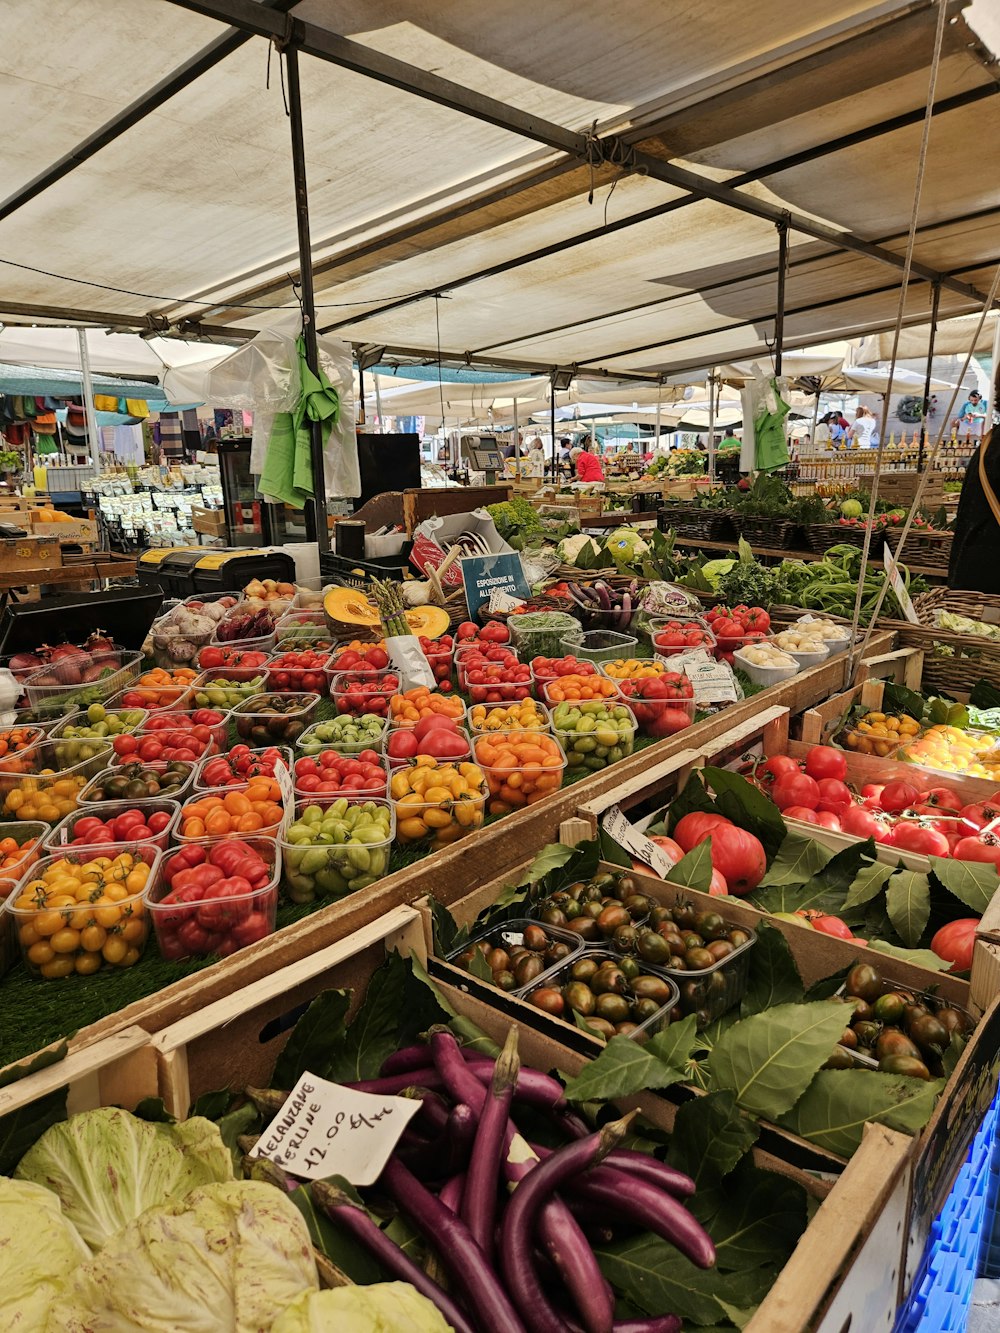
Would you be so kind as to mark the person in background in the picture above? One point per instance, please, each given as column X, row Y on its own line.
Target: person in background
column 838, row 427
column 973, row 565
column 729, row 439
column 864, row 432
column 514, row 448
column 534, row 464
column 588, row 465
column 972, row 417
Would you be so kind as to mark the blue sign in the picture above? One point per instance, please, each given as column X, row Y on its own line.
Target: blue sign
column 483, row 575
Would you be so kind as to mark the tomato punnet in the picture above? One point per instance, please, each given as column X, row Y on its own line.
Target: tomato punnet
column 924, row 841
column 693, row 828
column 823, row 761
column 954, row 942
column 986, row 850
column 898, row 796
column 738, row 856
column 796, row 789
column 217, row 899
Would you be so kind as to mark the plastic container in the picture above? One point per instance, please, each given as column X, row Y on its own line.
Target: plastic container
column 648, row 1027
column 514, row 786
column 838, row 644
column 199, row 785
column 370, row 793
column 301, row 628
column 509, row 935
column 89, row 795
column 258, row 727
column 270, row 830
column 601, row 645
column 23, row 832
column 172, row 648
column 62, row 834
column 201, row 927
column 480, row 717
column 710, row 992
column 665, row 652
column 26, row 759
column 372, row 695
column 47, row 795
column 165, row 701
column 605, row 689
column 764, row 675
column 805, row 659
column 724, row 648
column 219, row 730
column 336, row 869
column 632, row 668
column 58, row 700
column 575, row 666
column 582, row 757
column 263, row 643
column 437, row 824
column 400, row 761
column 661, row 717
column 327, row 735
column 441, row 661
column 92, row 934
column 455, row 710
column 509, row 658
column 241, row 684
column 302, row 679
column 543, row 641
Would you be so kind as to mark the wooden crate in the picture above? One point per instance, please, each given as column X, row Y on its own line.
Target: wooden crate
column 31, row 556
column 902, row 667
column 900, row 488
column 119, row 1070
column 77, row 530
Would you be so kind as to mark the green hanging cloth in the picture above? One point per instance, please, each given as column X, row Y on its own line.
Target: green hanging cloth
column 770, row 445
column 287, row 474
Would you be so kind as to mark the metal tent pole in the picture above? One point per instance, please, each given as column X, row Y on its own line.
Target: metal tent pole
column 308, row 294
column 779, row 314
column 935, row 303
column 93, row 439
column 378, row 405
column 711, row 424
column 552, row 424
column 517, row 436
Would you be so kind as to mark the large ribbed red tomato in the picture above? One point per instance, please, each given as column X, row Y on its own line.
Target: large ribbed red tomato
column 738, row 856
column 954, row 942
column 695, row 827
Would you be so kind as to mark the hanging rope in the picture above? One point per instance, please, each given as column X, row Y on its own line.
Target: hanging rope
column 907, row 263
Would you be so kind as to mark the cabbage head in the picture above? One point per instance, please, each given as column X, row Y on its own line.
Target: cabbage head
column 107, row 1166
column 386, row 1307
column 227, row 1259
column 715, row 570
column 626, row 545
column 39, row 1249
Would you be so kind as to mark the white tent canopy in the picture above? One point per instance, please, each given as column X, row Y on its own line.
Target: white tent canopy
column 110, row 353
column 953, row 337
column 871, row 379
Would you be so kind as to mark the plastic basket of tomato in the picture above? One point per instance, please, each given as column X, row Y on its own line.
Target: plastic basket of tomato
column 239, row 765
column 232, row 812
column 576, row 689
column 49, row 794
column 734, row 629
column 436, row 803
column 77, row 913
column 471, row 635
column 20, row 749
column 116, row 823
column 523, row 715
column 359, row 657
column 360, row 692
column 298, row 669
column 551, row 668
column 235, row 660
column 20, row 848
column 225, row 690
column 663, row 705
column 138, row 782
column 494, row 676
column 215, row 898
column 673, row 637
column 329, row 850
column 158, row 690
column 440, row 739
column 440, row 654
column 416, row 705
column 330, row 775
column 276, row 718
column 184, row 736
column 303, row 629
column 521, row 767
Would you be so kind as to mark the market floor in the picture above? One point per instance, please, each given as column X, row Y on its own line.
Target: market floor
column 984, row 1314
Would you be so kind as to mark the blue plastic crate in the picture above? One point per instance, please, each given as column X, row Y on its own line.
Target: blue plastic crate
column 989, row 1252
column 942, row 1291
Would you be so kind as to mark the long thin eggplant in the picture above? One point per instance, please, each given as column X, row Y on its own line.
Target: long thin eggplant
column 405, row 1061
column 479, row 1201
column 519, row 1221
column 434, row 1110
column 558, row 1230
column 654, row 1171
column 458, row 1250
column 573, row 1125
column 268, row 1101
column 650, row 1206
column 533, row 1086
column 344, row 1212
column 452, row 1192
column 395, row 1084
column 460, row 1135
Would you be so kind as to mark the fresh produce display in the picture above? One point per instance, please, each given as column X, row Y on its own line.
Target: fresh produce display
column 543, row 633
column 550, row 668
column 173, row 735
column 17, row 854
column 516, row 953
column 246, row 623
column 412, row 706
column 216, row 689
column 348, row 734
column 493, row 675
column 584, row 902
column 593, row 734
column 438, row 803
column 439, row 654
column 255, row 808
column 360, row 657
column 737, row 855
column 879, row 733
column 599, row 606
column 490, row 635
column 74, row 741
column 577, row 688
column 436, row 736
column 805, row 645
column 521, row 768
column 330, row 850
column 121, row 823
column 240, row 764
column 19, row 749
column 830, row 585
column 903, row 1031
column 333, row 774
column 681, row 636
column 214, row 898
column 272, row 593
column 138, row 782
column 78, row 912
column 632, row 668
column 235, row 662
column 950, row 749
column 663, row 704
column 524, row 716
column 159, row 689
column 612, row 995
column 264, row 719
column 364, row 692
column 302, row 669
column 176, row 637
column 46, row 795
column 763, row 662
column 73, row 677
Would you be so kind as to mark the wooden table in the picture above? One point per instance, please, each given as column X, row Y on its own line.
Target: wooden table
column 74, row 569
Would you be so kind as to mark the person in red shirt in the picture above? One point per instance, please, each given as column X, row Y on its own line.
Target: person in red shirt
column 588, row 465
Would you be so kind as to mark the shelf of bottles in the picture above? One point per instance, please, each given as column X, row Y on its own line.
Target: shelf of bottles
column 838, row 470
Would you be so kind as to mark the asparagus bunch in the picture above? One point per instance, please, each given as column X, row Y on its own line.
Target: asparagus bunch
column 388, row 598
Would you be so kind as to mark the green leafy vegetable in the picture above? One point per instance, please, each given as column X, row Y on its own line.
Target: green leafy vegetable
column 833, row 1110
column 388, row 1307
column 908, row 902
column 40, row 1248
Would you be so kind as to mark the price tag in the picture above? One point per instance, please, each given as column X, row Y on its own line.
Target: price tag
column 618, row 827
column 324, row 1129
column 503, row 601
column 898, row 586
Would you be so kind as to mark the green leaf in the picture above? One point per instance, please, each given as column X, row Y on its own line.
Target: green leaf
column 842, row 870
column 674, row 1044
column 919, row 957
column 50, row 1056
column 799, row 859
column 899, row 699
column 479, row 967
column 868, row 883
column 984, row 695
column 710, row 1136
column 423, row 1004
column 972, row 882
column 908, row 902
column 769, row 1059
column 447, row 935
column 754, row 1217
column 952, row 1054
column 21, row 1129
column 374, row 1032
column 691, row 797
column 338, row 1245
column 694, row 870
column 314, row 1039
column 796, row 898
column 774, row 978
column 155, row 1111
column 623, row 1067
column 553, row 856
column 748, row 807
column 613, row 851
column 833, row 1110
column 213, row 1105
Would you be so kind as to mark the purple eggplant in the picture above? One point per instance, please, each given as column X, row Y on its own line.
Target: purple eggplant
column 479, row 1201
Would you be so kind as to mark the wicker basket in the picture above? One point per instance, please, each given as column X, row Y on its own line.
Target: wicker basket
column 694, row 523
column 779, row 534
column 929, row 550
column 819, row 537
column 961, row 660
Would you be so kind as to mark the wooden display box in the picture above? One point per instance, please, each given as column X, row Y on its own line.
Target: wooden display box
column 437, row 502
column 33, row 556
column 77, row 530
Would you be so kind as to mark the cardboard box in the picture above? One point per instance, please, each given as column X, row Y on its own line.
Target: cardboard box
column 76, row 530
column 211, row 522
column 33, row 555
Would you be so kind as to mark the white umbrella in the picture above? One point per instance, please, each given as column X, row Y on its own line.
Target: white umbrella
column 872, row 379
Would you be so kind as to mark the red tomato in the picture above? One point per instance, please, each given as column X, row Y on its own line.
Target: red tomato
column 898, row 796
column 859, row 821
column 802, row 813
column 823, row 761
column 924, row 841
column 796, row 789
column 778, row 765
column 943, row 798
column 978, row 849
column 444, row 743
column 718, row 887
column 695, row 827
column 954, row 942
column 834, row 795
column 827, row 819
column 980, row 813
column 738, row 856
column 832, row 925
